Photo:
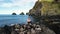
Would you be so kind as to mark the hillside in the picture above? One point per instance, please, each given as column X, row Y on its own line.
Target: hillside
column 46, row 7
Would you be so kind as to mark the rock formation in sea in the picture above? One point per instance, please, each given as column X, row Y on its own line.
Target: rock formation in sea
column 13, row 13
column 27, row 13
column 21, row 13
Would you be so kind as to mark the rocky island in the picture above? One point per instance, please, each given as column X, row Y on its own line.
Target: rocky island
column 13, row 13
column 21, row 13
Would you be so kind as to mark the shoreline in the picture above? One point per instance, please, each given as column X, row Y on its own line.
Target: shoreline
column 44, row 28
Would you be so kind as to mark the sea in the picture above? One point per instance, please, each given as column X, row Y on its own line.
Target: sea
column 14, row 19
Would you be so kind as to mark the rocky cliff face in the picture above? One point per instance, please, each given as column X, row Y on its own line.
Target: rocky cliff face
column 43, row 8
column 35, row 11
column 46, row 8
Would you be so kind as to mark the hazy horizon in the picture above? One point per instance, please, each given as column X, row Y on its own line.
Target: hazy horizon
column 16, row 6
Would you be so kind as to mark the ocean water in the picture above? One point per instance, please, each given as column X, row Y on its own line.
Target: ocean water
column 13, row 19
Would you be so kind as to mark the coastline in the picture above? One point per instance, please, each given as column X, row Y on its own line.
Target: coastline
column 45, row 30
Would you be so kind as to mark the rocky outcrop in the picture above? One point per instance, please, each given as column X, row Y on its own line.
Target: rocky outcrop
column 44, row 7
column 50, row 8
column 46, row 30
column 21, row 13
column 12, row 29
column 27, row 13
column 13, row 13
column 35, row 11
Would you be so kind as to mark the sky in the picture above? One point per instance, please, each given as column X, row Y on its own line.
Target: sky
column 16, row 6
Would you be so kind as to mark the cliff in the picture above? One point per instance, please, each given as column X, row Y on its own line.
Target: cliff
column 41, row 8
column 48, row 8
column 35, row 11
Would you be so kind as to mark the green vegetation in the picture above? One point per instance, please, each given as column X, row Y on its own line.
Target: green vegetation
column 46, row 7
column 47, row 12
column 50, row 8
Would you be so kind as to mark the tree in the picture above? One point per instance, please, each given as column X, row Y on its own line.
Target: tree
column 13, row 13
column 21, row 13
